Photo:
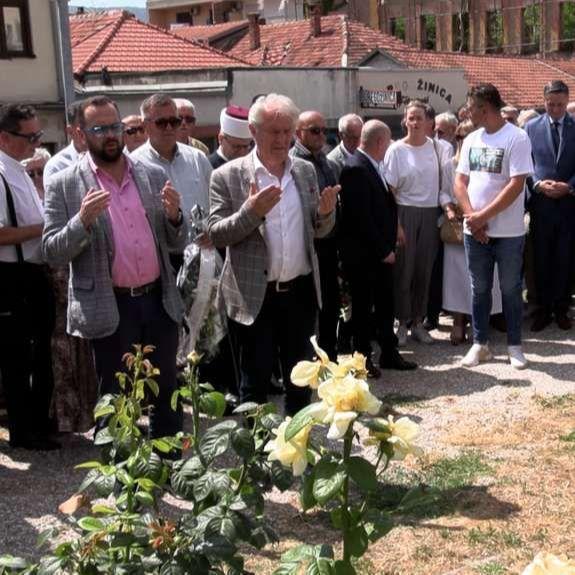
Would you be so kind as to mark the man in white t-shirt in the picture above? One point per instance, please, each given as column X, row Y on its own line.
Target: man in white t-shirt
column 489, row 186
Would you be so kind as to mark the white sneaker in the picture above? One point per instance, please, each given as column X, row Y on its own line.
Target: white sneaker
column 401, row 335
column 516, row 357
column 420, row 334
column 476, row 354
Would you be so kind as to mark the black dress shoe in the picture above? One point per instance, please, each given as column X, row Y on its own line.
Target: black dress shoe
column 395, row 361
column 35, row 443
column 563, row 321
column 372, row 370
column 431, row 323
column 541, row 320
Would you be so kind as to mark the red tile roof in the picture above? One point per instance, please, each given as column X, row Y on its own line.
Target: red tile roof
column 520, row 79
column 209, row 33
column 119, row 42
column 292, row 44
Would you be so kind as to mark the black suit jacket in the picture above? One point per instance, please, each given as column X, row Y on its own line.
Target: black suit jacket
column 369, row 211
column 216, row 160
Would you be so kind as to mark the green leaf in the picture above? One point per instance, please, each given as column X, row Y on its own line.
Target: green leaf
column 299, row 421
column 287, row 569
column 89, row 465
column 282, row 477
column 174, row 400
column 329, row 478
column 12, row 562
column 337, row 517
column 145, row 498
column 146, row 483
column 363, row 473
column 211, row 482
column 153, row 386
column 344, row 568
column 91, row 476
column 298, row 554
column 377, row 524
column 45, row 537
column 419, row 496
column 162, row 445
column 99, row 509
column 185, row 475
column 103, row 411
column 306, row 497
column 216, row 440
column 213, row 404
column 271, row 421
column 320, row 566
column 247, row 407
column 103, row 437
column 91, row 524
column 356, row 541
column 243, row 443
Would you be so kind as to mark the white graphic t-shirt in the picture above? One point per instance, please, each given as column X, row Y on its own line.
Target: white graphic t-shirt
column 490, row 160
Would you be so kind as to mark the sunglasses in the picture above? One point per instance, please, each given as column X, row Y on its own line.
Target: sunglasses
column 163, row 123
column 134, row 130
column 115, row 129
column 35, row 173
column 32, row 138
column 188, row 119
column 316, row 131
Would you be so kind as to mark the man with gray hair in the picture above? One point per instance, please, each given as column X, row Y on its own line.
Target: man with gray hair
column 266, row 209
column 186, row 168
column 369, row 237
column 187, row 113
column 349, row 128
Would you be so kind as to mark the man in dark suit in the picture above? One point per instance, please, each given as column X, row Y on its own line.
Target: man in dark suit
column 552, row 206
column 369, row 237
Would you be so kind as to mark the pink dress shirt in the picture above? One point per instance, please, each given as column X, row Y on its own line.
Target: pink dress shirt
column 135, row 254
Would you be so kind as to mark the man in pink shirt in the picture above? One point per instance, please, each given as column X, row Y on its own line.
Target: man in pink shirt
column 114, row 221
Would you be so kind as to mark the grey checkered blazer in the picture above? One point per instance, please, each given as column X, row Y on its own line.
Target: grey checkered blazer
column 232, row 225
column 92, row 309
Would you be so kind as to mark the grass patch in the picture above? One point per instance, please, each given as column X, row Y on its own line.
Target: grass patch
column 457, row 472
column 570, row 437
column 492, row 568
column 443, row 485
column 393, row 399
column 491, row 537
column 555, row 402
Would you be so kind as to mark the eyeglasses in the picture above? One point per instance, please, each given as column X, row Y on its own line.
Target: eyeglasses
column 134, row 130
column 440, row 132
column 188, row 119
column 163, row 123
column 316, row 131
column 115, row 129
column 35, row 173
column 32, row 138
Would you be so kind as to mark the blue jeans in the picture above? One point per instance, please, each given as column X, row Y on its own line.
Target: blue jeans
column 507, row 253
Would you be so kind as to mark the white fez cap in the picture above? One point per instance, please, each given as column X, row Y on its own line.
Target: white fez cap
column 234, row 122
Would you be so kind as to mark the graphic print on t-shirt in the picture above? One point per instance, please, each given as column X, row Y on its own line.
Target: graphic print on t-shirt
column 486, row 160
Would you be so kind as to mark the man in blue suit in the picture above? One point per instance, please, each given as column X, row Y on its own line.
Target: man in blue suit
column 552, row 206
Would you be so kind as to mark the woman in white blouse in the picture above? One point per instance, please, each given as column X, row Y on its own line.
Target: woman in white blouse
column 413, row 167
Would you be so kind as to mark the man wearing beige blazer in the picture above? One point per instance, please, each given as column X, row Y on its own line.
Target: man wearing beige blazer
column 266, row 209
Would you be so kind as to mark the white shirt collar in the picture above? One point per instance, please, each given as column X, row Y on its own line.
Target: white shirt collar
column 345, row 150
column 559, row 121
column 11, row 163
column 259, row 166
column 221, row 154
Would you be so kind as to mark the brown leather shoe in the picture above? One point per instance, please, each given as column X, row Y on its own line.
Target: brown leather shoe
column 563, row 321
column 541, row 320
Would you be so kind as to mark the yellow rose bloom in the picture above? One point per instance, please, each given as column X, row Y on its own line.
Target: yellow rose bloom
column 292, row 453
column 343, row 399
column 354, row 364
column 308, row 373
column 549, row 564
column 401, row 434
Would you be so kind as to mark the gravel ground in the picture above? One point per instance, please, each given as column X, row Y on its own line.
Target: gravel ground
column 441, row 394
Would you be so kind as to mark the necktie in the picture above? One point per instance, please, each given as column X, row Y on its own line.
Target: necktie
column 556, row 137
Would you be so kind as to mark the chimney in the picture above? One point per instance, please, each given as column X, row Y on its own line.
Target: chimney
column 315, row 20
column 254, row 30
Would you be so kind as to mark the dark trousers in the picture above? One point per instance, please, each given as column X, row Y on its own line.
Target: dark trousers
column 553, row 236
column 143, row 320
column 222, row 371
column 26, row 358
column 285, row 323
column 329, row 314
column 372, row 296
column 435, row 301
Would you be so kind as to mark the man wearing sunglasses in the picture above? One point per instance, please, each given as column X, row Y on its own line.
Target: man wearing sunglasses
column 186, row 168
column 310, row 141
column 134, row 132
column 26, row 302
column 69, row 155
column 114, row 220
column 187, row 113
